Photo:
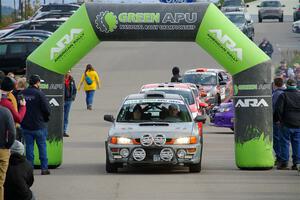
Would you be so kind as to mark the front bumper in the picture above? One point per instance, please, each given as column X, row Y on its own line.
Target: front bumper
column 271, row 15
column 153, row 155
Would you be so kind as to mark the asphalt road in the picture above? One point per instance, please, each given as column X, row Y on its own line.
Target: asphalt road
column 124, row 67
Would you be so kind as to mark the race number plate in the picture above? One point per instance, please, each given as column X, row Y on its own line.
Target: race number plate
column 156, row 158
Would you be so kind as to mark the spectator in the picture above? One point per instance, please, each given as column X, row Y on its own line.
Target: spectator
column 266, row 47
column 282, row 70
column 21, row 85
column 34, row 124
column 70, row 94
column 7, row 87
column 176, row 76
column 19, row 175
column 90, row 87
column 7, row 137
column 287, row 111
column 278, row 89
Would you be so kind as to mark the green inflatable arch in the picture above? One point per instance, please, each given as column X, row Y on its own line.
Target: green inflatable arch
column 201, row 23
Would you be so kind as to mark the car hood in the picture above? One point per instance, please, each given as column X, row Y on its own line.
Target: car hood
column 136, row 130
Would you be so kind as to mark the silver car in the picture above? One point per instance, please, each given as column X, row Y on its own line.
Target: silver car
column 154, row 128
column 270, row 9
column 233, row 6
column 296, row 27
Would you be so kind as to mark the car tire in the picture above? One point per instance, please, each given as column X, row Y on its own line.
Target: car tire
column 281, row 19
column 259, row 19
column 111, row 168
column 196, row 168
column 232, row 129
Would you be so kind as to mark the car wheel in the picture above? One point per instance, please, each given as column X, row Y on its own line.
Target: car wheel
column 111, row 168
column 196, row 168
column 259, row 19
column 281, row 19
column 232, row 129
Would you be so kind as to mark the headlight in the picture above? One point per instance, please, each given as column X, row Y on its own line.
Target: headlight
column 186, row 140
column 120, row 140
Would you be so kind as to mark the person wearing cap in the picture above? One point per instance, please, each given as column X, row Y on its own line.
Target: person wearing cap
column 287, row 112
column 70, row 94
column 7, row 86
column 176, row 76
column 19, row 175
column 282, row 70
column 266, row 47
column 7, row 138
column 34, row 125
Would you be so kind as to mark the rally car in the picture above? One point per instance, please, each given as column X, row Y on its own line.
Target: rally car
column 223, row 115
column 216, row 83
column 154, row 128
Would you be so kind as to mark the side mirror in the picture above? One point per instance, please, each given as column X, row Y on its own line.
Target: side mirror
column 247, row 5
column 200, row 118
column 223, row 83
column 109, row 118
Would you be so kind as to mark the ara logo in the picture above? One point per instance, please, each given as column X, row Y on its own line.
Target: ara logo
column 53, row 102
column 64, row 41
column 246, row 103
column 228, row 42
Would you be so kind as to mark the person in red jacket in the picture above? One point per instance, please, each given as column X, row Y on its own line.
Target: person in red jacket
column 7, row 87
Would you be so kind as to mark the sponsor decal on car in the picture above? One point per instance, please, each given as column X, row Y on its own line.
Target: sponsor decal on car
column 169, row 101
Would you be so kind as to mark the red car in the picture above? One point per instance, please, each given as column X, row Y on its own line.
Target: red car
column 185, row 90
column 216, row 83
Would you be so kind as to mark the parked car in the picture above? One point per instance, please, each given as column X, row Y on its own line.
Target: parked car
column 270, row 9
column 31, row 33
column 223, row 115
column 55, row 7
column 50, row 25
column 10, row 27
column 233, row 5
column 216, row 83
column 156, row 129
column 53, row 14
column 296, row 27
column 296, row 14
column 243, row 21
column 14, row 52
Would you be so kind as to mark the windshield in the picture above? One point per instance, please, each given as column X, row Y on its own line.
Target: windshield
column 270, row 4
column 236, row 19
column 154, row 110
column 186, row 94
column 200, row 78
column 43, row 25
column 232, row 3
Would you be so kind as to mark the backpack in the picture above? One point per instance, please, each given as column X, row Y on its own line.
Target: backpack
column 88, row 80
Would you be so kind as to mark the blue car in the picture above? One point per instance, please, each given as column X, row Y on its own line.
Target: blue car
column 223, row 115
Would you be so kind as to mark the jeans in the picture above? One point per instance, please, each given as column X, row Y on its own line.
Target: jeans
column 290, row 135
column 40, row 137
column 67, row 107
column 276, row 139
column 89, row 97
column 4, row 160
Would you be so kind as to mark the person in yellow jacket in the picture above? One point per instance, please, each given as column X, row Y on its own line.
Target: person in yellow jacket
column 91, row 81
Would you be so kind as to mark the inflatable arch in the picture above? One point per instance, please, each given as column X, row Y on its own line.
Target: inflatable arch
column 202, row 23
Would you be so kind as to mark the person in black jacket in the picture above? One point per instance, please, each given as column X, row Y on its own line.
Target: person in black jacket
column 7, row 138
column 287, row 112
column 34, row 123
column 70, row 94
column 19, row 176
column 267, row 47
column 176, row 76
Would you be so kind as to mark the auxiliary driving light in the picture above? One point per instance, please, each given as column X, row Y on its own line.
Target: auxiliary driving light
column 124, row 153
column 181, row 153
column 139, row 154
column 166, row 154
